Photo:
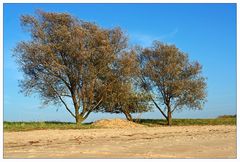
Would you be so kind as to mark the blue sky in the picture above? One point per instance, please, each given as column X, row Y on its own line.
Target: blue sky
column 207, row 32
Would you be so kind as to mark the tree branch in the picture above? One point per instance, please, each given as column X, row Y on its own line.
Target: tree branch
column 99, row 102
column 158, row 107
column 63, row 102
column 65, row 95
column 66, row 107
column 175, row 107
column 142, row 79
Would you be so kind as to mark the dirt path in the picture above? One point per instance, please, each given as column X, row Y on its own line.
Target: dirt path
column 149, row 142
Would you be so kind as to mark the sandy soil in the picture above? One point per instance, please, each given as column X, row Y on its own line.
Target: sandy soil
column 144, row 142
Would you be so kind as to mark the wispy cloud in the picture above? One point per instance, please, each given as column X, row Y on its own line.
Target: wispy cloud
column 146, row 39
column 169, row 35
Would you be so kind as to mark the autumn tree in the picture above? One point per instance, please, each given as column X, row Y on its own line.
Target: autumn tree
column 174, row 82
column 68, row 59
column 125, row 97
column 125, row 100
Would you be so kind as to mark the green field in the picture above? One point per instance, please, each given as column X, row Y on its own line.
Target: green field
column 186, row 122
column 26, row 126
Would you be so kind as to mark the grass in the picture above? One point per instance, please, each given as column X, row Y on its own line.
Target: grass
column 27, row 126
column 228, row 120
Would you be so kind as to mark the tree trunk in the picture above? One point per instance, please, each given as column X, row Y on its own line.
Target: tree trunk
column 169, row 116
column 79, row 119
column 128, row 116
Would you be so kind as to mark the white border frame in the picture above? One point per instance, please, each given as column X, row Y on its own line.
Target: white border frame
column 115, row 1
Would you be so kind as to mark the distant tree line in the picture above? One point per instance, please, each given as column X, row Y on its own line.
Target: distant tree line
column 68, row 60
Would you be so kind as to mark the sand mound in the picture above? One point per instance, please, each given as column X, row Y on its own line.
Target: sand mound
column 116, row 123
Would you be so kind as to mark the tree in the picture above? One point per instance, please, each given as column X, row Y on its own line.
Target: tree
column 125, row 97
column 68, row 59
column 173, row 81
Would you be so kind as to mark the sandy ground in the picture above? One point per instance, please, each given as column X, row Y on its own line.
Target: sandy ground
column 146, row 142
